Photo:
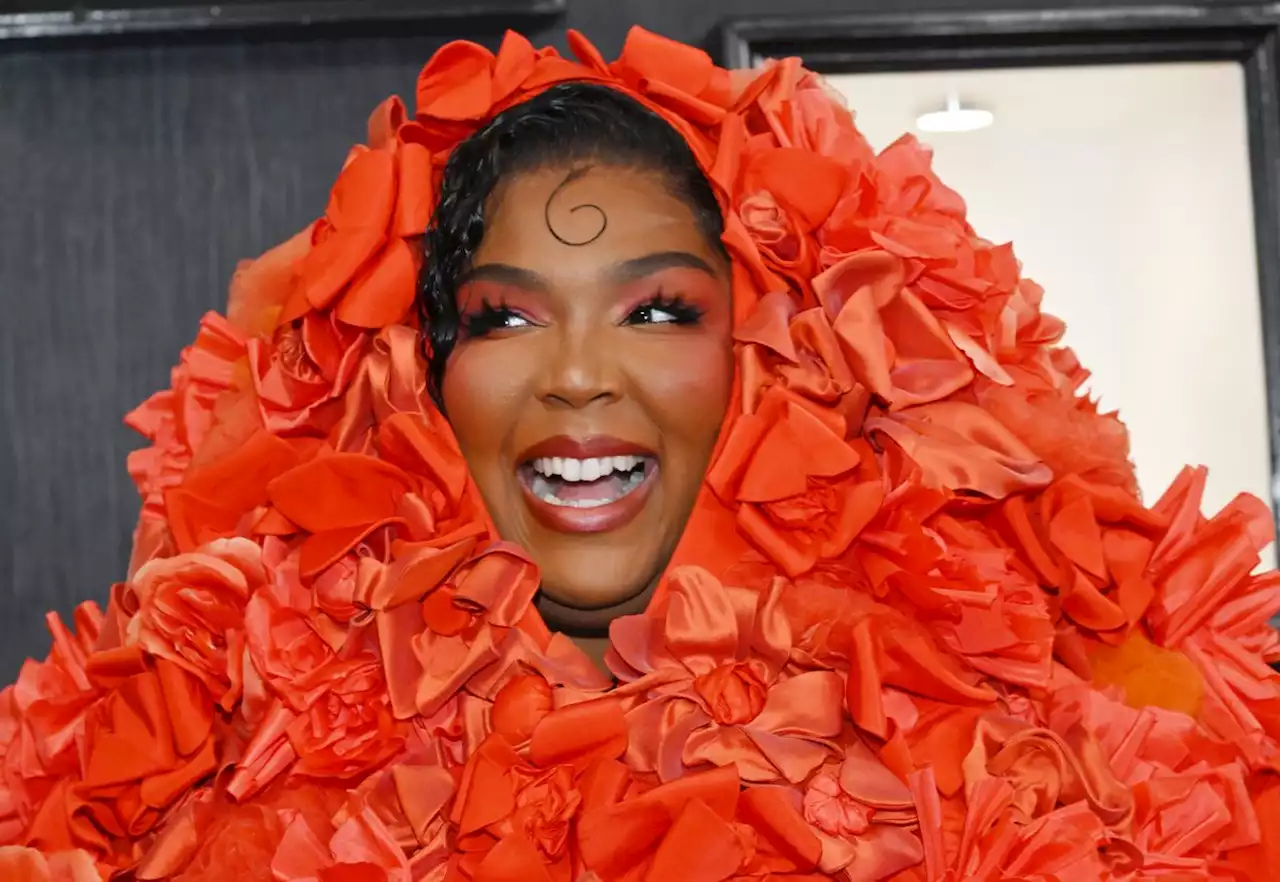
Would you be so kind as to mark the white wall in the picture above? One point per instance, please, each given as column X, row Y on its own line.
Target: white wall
column 1125, row 190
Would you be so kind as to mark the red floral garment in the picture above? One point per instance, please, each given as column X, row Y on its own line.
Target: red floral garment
column 920, row 626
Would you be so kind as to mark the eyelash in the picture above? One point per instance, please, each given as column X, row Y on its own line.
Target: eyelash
column 683, row 312
column 489, row 318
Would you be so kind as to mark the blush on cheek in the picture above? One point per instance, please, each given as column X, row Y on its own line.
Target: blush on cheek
column 695, row 381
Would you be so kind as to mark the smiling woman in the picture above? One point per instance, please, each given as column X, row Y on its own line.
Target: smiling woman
column 593, row 361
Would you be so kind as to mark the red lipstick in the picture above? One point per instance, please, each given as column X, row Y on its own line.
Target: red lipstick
column 601, row 518
column 584, row 448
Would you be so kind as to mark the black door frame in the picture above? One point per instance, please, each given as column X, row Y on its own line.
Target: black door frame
column 1100, row 33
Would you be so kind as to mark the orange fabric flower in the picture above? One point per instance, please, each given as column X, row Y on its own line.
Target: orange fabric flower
column 801, row 352
column 42, row 717
column 28, row 865
column 179, row 420
column 145, row 743
column 697, row 709
column 191, row 610
column 285, row 643
column 301, row 374
column 861, row 813
column 803, row 515
column 1210, row 605
column 348, row 728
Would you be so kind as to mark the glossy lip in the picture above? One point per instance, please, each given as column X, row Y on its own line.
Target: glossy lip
column 603, row 518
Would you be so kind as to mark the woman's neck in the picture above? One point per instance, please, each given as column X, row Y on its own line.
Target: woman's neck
column 589, row 628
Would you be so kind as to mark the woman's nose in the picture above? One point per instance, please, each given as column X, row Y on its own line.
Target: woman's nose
column 580, row 371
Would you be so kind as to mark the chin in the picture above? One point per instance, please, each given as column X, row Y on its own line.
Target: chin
column 572, row 591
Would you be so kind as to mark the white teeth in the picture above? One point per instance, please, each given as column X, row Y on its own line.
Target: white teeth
column 592, row 469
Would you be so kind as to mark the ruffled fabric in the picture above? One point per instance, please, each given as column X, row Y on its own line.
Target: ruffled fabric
column 920, row 626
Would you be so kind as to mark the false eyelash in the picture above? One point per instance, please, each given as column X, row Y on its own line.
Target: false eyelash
column 685, row 313
column 485, row 320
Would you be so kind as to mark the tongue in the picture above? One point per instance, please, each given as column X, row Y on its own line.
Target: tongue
column 607, row 488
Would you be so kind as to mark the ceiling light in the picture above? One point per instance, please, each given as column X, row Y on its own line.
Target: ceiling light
column 955, row 117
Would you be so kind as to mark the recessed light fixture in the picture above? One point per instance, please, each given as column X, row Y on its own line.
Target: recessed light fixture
column 955, row 117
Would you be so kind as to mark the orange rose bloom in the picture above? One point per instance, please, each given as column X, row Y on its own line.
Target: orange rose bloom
column 28, row 865
column 191, row 611
column 348, row 729
column 812, row 509
column 302, row 372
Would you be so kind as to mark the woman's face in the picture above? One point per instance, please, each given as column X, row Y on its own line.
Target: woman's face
column 590, row 378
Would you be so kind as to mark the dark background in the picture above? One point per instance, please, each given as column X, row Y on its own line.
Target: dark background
column 134, row 173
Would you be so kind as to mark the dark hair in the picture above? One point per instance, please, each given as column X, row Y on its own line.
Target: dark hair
column 566, row 124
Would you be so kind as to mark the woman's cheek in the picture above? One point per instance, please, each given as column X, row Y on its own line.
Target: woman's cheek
column 689, row 384
column 474, row 392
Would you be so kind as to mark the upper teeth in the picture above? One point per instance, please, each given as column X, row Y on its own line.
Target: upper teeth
column 584, row 469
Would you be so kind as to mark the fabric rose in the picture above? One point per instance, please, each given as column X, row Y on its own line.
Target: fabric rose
column 179, row 421
column 1189, row 794
column 862, row 814
column 390, row 378
column 515, row 811
column 722, row 698
column 1092, row 544
column 460, row 627
column 285, row 644
column 29, row 865
column 1209, row 604
column 302, row 372
column 417, row 486
column 960, row 448
column 803, row 514
column 191, row 611
column 1046, row 770
column 1064, row 844
column 885, row 652
column 144, row 744
column 895, row 346
column 354, row 845
column 991, row 613
column 410, row 801
column 802, row 353
column 362, row 262
column 209, row 837
column 346, row 729
column 42, row 718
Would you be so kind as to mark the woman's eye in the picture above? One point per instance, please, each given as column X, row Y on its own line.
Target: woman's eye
column 489, row 319
column 512, row 320
column 652, row 315
column 664, row 311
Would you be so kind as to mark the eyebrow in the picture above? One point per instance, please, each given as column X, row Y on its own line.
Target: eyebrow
column 620, row 273
column 505, row 274
column 639, row 267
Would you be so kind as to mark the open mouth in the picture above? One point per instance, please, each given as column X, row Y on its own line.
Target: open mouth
column 586, row 483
